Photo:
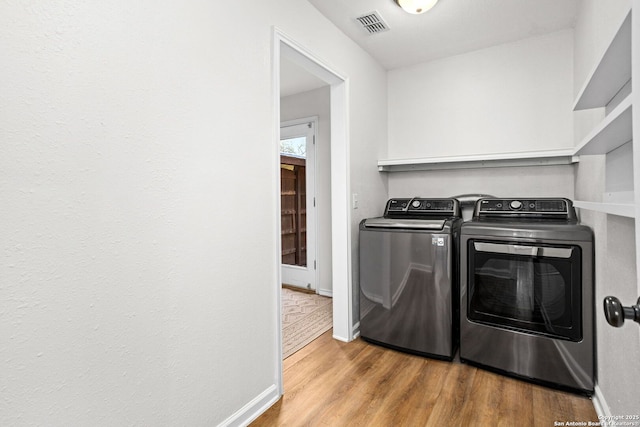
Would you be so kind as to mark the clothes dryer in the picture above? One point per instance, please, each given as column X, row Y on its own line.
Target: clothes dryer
column 527, row 295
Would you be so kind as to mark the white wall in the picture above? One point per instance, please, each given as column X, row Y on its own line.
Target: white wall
column 535, row 181
column 367, row 146
column 307, row 104
column 136, row 144
column 614, row 236
column 508, row 98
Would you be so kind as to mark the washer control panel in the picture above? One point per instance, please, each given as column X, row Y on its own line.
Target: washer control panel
column 417, row 206
column 559, row 208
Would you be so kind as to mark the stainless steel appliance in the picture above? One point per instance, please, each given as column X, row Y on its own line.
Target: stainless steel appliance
column 526, row 292
column 408, row 277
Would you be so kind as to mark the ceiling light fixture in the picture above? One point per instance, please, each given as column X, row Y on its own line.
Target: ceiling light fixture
column 416, row 6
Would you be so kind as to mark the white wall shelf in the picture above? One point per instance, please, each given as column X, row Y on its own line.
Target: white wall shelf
column 620, row 209
column 611, row 73
column 531, row 158
column 607, row 82
column 614, row 131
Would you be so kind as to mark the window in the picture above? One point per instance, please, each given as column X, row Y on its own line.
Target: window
column 294, row 146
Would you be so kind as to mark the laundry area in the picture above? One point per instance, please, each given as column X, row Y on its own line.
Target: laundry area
column 510, row 186
column 513, row 287
column 454, row 182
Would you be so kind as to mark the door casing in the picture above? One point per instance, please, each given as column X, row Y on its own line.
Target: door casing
column 343, row 324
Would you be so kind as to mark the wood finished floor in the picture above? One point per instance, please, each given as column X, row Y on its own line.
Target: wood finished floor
column 331, row 383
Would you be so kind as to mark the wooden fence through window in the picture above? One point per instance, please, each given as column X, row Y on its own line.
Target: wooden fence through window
column 293, row 199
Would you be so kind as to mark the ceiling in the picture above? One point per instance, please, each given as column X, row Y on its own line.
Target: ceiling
column 295, row 79
column 452, row 27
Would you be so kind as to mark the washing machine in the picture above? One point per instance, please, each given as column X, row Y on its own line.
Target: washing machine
column 527, row 293
column 409, row 277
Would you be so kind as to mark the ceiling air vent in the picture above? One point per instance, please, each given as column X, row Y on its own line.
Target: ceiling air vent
column 373, row 23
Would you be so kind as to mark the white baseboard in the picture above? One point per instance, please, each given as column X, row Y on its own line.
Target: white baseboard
column 253, row 409
column 355, row 331
column 599, row 403
column 343, row 339
column 326, row 292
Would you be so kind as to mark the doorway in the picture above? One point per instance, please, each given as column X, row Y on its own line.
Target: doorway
column 343, row 325
column 298, row 203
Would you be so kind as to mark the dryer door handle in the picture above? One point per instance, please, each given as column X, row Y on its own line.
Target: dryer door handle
column 534, row 251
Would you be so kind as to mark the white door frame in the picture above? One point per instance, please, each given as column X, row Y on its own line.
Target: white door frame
column 340, row 187
column 305, row 277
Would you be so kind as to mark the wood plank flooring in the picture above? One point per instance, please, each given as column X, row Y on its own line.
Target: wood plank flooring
column 331, row 383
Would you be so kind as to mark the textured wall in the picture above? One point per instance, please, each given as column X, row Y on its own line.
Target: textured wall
column 138, row 281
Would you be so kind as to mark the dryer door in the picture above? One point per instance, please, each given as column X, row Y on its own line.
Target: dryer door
column 527, row 287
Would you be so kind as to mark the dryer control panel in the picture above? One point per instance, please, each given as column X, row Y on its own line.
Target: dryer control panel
column 545, row 208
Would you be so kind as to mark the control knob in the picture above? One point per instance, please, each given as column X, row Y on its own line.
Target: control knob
column 515, row 204
column 415, row 204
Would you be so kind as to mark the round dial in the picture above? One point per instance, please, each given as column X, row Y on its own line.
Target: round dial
column 415, row 203
column 515, row 204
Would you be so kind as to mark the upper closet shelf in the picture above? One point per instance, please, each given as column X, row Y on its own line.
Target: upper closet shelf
column 611, row 133
column 531, row 158
column 611, row 73
column 621, row 209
